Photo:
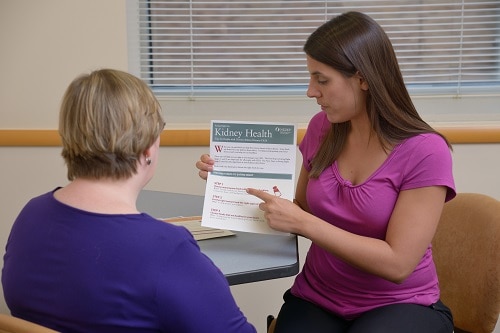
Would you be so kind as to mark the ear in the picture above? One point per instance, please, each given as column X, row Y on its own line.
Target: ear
column 362, row 82
column 147, row 152
column 152, row 149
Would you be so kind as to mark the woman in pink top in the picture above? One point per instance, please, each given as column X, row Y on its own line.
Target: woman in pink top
column 373, row 183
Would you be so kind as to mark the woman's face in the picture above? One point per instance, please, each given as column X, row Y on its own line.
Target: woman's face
column 341, row 98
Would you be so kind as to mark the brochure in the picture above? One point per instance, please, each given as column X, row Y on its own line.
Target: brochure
column 248, row 154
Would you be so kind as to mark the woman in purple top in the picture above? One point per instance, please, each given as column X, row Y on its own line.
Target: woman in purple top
column 369, row 196
column 82, row 258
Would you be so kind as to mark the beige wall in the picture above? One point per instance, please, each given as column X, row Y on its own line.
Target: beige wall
column 27, row 172
column 45, row 44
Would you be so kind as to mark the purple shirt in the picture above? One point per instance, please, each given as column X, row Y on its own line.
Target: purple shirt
column 76, row 271
column 365, row 209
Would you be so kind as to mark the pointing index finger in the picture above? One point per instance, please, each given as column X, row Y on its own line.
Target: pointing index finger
column 259, row 194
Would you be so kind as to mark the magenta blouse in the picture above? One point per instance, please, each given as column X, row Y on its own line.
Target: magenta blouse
column 365, row 209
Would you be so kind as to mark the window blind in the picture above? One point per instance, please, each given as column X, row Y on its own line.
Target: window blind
column 208, row 47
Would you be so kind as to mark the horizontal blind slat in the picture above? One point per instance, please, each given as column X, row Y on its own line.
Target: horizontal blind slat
column 201, row 43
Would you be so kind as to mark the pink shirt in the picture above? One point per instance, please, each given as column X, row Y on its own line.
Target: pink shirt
column 365, row 209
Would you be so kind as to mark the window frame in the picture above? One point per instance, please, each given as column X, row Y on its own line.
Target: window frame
column 196, row 111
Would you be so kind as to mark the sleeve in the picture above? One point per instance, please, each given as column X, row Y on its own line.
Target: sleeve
column 316, row 130
column 193, row 295
column 430, row 164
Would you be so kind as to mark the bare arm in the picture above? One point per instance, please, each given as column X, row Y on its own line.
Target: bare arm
column 410, row 231
column 300, row 190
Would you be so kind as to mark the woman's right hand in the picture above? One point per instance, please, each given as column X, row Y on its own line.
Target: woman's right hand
column 205, row 165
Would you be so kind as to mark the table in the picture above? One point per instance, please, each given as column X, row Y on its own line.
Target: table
column 243, row 258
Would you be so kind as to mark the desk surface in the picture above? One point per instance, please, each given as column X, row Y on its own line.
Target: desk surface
column 243, row 258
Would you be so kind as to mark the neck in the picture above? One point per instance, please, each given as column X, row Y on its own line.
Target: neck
column 102, row 196
column 361, row 132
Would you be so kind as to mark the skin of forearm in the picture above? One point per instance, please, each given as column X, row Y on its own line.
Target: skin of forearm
column 374, row 256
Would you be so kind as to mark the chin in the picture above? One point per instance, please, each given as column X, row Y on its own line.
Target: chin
column 334, row 119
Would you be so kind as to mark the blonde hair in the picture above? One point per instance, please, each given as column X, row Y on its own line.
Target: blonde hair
column 108, row 118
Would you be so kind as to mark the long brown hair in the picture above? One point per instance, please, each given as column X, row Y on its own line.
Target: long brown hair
column 354, row 43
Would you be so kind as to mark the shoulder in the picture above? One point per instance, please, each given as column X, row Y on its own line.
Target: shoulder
column 427, row 140
column 423, row 146
column 316, row 130
column 425, row 160
column 41, row 203
column 44, row 198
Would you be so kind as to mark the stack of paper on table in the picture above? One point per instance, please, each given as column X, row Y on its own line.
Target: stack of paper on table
column 193, row 224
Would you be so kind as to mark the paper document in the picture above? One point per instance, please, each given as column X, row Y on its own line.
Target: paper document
column 193, row 225
column 258, row 155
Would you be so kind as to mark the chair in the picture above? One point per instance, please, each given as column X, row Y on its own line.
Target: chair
column 11, row 324
column 271, row 323
column 466, row 251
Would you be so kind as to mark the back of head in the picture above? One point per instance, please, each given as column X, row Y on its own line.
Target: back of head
column 108, row 118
